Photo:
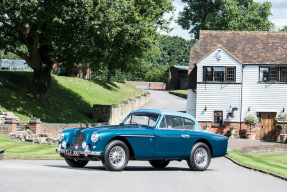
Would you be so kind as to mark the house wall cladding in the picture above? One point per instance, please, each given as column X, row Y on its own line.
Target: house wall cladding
column 261, row 97
column 191, row 103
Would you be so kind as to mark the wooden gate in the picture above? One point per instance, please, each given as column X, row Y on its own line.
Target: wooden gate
column 268, row 126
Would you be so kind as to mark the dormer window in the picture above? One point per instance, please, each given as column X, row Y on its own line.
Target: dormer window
column 219, row 74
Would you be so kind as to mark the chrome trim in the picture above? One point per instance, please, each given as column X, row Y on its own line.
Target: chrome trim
column 136, row 135
column 185, row 136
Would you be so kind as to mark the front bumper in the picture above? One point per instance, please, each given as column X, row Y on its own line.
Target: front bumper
column 89, row 155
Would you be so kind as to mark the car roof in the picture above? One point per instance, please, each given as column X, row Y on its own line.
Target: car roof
column 165, row 112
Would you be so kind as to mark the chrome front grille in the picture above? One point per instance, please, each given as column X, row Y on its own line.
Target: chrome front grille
column 78, row 140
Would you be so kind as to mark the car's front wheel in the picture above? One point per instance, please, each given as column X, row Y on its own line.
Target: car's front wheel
column 200, row 157
column 159, row 163
column 76, row 163
column 116, row 156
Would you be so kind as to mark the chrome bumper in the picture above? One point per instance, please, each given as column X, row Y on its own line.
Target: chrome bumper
column 96, row 153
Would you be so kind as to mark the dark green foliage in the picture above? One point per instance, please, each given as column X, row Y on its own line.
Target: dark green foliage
column 237, row 15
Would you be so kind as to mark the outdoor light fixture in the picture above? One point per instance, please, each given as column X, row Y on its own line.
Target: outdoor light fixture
column 205, row 108
column 283, row 109
column 248, row 108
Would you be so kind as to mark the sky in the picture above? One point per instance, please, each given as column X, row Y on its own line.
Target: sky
column 279, row 18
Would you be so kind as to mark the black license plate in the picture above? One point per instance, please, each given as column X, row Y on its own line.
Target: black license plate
column 72, row 153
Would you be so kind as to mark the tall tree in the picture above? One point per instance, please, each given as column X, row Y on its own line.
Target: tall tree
column 99, row 32
column 234, row 15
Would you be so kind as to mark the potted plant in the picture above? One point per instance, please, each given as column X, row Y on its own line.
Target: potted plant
column 282, row 117
column 232, row 131
column 206, row 127
column 250, row 120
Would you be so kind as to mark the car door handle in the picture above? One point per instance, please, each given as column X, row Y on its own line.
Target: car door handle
column 185, row 136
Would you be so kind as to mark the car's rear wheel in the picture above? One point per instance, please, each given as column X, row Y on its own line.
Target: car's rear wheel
column 76, row 163
column 200, row 157
column 116, row 156
column 159, row 163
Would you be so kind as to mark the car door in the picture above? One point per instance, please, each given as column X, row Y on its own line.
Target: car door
column 171, row 139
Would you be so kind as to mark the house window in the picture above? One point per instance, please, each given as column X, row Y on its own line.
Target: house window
column 271, row 74
column 207, row 74
column 219, row 74
column 230, row 74
column 218, row 117
column 283, row 74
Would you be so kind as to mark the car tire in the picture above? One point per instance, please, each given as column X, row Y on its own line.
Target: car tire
column 159, row 163
column 116, row 156
column 200, row 157
column 76, row 163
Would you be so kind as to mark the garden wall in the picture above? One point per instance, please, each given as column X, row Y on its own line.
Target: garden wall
column 262, row 149
column 5, row 129
column 115, row 113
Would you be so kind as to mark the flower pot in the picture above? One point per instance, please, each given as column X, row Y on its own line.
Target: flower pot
column 232, row 131
column 283, row 138
column 205, row 127
column 250, row 136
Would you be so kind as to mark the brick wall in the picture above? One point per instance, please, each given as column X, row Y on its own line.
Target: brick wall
column 262, row 149
column 5, row 129
column 54, row 128
column 151, row 85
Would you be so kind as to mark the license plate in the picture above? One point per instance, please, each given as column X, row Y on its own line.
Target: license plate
column 72, row 153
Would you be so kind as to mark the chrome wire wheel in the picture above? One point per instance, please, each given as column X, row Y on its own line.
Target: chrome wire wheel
column 117, row 156
column 200, row 157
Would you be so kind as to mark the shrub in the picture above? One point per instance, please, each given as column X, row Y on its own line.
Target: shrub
column 250, row 120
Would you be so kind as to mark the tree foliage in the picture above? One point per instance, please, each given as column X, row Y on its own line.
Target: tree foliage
column 282, row 117
column 250, row 120
column 237, row 15
column 103, row 33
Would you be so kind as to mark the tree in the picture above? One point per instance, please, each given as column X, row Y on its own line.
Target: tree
column 282, row 117
column 284, row 28
column 113, row 33
column 237, row 15
column 250, row 120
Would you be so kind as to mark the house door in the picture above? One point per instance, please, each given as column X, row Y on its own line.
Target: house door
column 268, row 125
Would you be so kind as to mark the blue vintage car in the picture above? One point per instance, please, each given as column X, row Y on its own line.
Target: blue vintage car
column 153, row 135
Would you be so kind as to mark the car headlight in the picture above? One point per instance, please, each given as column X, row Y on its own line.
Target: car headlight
column 61, row 136
column 64, row 144
column 84, row 145
column 94, row 137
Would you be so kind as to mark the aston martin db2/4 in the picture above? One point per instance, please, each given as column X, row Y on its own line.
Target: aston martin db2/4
column 153, row 135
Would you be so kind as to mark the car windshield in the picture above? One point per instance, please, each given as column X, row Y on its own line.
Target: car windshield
column 146, row 119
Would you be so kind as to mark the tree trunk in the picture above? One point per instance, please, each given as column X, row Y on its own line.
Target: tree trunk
column 41, row 81
column 109, row 75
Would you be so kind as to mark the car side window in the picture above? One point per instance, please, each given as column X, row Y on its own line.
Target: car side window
column 162, row 123
column 174, row 122
column 188, row 124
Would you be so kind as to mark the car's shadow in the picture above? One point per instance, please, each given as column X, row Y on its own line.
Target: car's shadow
column 128, row 168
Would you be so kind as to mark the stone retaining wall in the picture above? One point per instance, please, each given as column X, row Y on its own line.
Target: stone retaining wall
column 115, row 113
column 262, row 149
column 151, row 85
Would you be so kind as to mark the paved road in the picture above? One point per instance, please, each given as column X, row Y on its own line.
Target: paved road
column 48, row 175
column 161, row 99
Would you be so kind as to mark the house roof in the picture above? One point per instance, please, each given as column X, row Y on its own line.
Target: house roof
column 6, row 63
column 245, row 46
column 179, row 68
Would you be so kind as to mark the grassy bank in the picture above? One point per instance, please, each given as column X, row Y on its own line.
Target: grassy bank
column 181, row 91
column 72, row 98
column 16, row 149
column 274, row 163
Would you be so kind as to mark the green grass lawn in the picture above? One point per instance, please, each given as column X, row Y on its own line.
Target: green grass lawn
column 274, row 163
column 72, row 98
column 181, row 91
column 16, row 149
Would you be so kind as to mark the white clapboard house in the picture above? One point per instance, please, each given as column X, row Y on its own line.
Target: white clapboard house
column 240, row 72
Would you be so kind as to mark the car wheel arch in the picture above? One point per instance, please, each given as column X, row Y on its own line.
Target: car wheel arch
column 207, row 143
column 132, row 154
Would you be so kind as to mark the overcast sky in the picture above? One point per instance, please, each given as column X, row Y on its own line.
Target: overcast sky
column 279, row 11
